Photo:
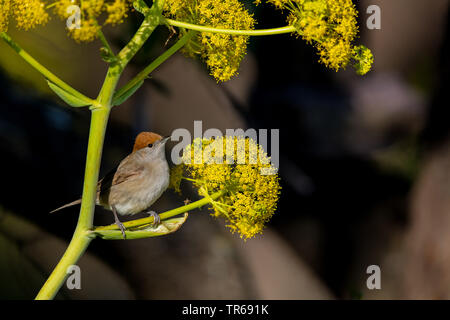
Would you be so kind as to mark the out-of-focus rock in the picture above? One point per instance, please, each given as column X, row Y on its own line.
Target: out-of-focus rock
column 427, row 269
column 383, row 104
column 405, row 36
column 43, row 251
column 277, row 272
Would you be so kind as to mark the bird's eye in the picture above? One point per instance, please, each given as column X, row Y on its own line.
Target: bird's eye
column 150, row 145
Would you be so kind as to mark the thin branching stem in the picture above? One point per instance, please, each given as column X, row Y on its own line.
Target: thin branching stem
column 260, row 32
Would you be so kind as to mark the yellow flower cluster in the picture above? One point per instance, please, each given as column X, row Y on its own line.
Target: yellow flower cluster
column 222, row 53
column 5, row 7
column 31, row 13
column 331, row 26
column 28, row 14
column 239, row 168
column 363, row 58
column 176, row 175
column 91, row 10
column 117, row 11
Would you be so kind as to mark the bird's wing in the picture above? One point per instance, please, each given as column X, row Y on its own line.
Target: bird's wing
column 125, row 171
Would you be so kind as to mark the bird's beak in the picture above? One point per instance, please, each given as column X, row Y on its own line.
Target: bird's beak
column 164, row 140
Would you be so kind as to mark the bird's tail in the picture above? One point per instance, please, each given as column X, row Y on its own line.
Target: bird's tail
column 67, row 205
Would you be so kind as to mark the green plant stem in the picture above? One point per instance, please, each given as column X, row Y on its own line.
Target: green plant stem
column 151, row 21
column 78, row 245
column 105, row 42
column 100, row 113
column 41, row 69
column 156, row 63
column 81, row 237
column 165, row 215
column 260, row 32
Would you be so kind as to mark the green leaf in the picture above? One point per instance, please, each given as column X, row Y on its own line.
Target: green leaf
column 119, row 99
column 164, row 228
column 69, row 98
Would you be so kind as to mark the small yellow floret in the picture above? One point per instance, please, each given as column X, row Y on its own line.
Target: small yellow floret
column 29, row 14
column 363, row 58
column 117, row 11
column 87, row 32
column 5, row 7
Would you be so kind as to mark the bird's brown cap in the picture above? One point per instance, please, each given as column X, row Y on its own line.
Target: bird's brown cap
column 144, row 139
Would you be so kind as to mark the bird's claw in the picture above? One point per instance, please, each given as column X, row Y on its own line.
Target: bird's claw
column 156, row 218
column 122, row 228
column 119, row 224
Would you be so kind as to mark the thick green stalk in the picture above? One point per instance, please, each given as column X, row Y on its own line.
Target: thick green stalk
column 100, row 113
column 152, row 19
column 77, row 246
column 81, row 237
column 260, row 32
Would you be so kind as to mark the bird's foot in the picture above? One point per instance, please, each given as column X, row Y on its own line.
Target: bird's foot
column 122, row 228
column 119, row 224
column 156, row 218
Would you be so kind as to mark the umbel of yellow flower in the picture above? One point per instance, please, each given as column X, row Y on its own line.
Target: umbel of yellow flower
column 5, row 7
column 31, row 13
column 331, row 26
column 116, row 12
column 241, row 171
column 27, row 14
column 222, row 53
